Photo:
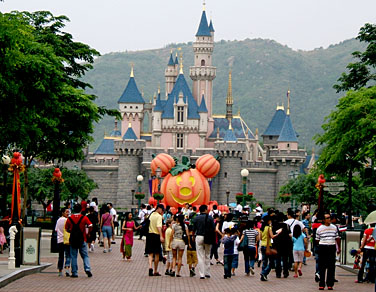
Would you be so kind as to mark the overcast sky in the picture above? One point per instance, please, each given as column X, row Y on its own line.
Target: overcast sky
column 119, row 25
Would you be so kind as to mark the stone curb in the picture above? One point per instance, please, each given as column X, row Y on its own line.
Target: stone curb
column 17, row 274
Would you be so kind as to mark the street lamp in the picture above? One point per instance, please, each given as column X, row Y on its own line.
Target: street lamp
column 244, row 173
column 5, row 160
column 140, row 178
column 57, row 180
column 158, row 172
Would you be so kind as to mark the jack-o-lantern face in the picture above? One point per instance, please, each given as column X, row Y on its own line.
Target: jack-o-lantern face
column 189, row 187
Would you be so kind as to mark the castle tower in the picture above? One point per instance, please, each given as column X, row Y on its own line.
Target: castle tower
column 203, row 126
column 131, row 106
column 229, row 99
column 171, row 73
column 203, row 73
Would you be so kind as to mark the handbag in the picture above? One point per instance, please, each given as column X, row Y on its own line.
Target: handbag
column 270, row 251
column 307, row 253
column 243, row 245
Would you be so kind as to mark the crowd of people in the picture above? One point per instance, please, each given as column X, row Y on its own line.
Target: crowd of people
column 272, row 240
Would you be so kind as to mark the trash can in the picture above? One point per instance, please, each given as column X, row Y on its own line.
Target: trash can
column 31, row 237
column 350, row 240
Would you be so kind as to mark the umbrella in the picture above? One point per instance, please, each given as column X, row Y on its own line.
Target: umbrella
column 371, row 218
column 232, row 205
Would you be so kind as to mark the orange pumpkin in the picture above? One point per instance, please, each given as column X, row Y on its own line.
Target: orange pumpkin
column 208, row 165
column 189, row 186
column 164, row 161
column 153, row 201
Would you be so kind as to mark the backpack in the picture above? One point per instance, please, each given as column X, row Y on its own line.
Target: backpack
column 145, row 224
column 76, row 238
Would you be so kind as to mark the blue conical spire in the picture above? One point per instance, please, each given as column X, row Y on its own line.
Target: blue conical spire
column 211, row 27
column 202, row 108
column 288, row 133
column 176, row 59
column 203, row 29
column 130, row 134
column 171, row 61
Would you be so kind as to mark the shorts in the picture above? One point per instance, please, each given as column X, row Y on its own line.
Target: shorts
column 178, row 244
column 153, row 243
column 298, row 256
column 169, row 256
column 107, row 231
column 235, row 261
column 191, row 257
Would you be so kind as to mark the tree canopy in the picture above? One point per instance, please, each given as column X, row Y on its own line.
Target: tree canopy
column 363, row 72
column 350, row 133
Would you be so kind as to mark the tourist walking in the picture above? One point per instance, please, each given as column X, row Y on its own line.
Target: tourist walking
column 228, row 253
column 115, row 221
column 300, row 245
column 107, row 228
column 154, row 239
column 76, row 225
column 191, row 253
column 283, row 244
column 92, row 236
column 369, row 254
column 326, row 236
column 266, row 236
column 64, row 251
column 167, row 247
column 177, row 244
column 127, row 240
column 203, row 226
column 251, row 236
column 217, row 242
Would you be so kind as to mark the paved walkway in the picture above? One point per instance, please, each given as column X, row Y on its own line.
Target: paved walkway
column 111, row 273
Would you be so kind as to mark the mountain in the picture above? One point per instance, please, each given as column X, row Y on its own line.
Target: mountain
column 262, row 72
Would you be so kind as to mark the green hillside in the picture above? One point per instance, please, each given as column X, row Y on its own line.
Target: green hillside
column 262, row 72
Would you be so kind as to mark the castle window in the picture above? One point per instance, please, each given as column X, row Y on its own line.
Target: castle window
column 288, row 145
column 125, row 106
column 202, row 62
column 270, row 137
column 179, row 140
column 136, row 107
column 180, row 114
column 130, row 107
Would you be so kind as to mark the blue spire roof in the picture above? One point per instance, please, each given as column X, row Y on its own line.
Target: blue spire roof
column 176, row 60
column 229, row 136
column 131, row 93
column 115, row 133
column 276, row 124
column 171, row 61
column 106, row 147
column 158, row 104
column 202, row 108
column 211, row 27
column 129, row 134
column 287, row 133
column 181, row 86
column 203, row 29
column 239, row 128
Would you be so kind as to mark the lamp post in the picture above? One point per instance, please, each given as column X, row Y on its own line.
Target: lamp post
column 56, row 180
column 16, row 166
column 158, row 172
column 227, row 196
column 5, row 160
column 244, row 173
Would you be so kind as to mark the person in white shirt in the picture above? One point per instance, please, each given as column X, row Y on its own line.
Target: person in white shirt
column 238, row 208
column 114, row 215
column 228, row 222
column 63, row 250
column 141, row 216
column 215, row 211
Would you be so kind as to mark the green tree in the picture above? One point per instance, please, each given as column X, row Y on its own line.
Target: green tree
column 44, row 111
column 76, row 184
column 301, row 189
column 361, row 73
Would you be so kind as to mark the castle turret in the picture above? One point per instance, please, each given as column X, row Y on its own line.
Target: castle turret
column 171, row 73
column 203, row 73
column 203, row 125
column 131, row 106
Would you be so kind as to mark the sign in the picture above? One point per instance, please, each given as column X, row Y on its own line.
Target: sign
column 334, row 187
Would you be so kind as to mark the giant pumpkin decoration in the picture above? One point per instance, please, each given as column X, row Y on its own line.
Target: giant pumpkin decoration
column 164, row 161
column 183, row 184
column 190, row 186
column 208, row 165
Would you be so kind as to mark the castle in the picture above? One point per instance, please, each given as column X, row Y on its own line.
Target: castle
column 182, row 122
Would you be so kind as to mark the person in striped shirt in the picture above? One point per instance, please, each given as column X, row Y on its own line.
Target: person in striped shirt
column 252, row 236
column 326, row 237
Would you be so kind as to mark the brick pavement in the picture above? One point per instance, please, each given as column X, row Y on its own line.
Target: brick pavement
column 110, row 273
